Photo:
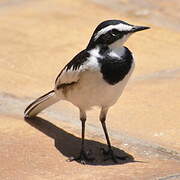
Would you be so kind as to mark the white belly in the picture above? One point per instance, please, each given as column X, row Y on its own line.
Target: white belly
column 93, row 90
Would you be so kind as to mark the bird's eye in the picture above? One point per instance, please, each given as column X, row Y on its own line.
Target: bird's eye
column 114, row 32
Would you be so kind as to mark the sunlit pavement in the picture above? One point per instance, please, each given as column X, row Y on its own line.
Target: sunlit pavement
column 37, row 38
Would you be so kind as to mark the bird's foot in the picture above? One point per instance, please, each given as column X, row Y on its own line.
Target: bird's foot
column 83, row 157
column 110, row 155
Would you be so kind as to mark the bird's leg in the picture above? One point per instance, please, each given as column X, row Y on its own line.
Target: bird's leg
column 109, row 154
column 83, row 156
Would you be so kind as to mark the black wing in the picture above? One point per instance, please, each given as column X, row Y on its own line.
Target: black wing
column 70, row 73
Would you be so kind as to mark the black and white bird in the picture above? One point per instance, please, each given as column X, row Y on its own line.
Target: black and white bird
column 94, row 77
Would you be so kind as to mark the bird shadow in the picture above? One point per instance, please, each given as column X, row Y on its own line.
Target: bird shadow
column 69, row 145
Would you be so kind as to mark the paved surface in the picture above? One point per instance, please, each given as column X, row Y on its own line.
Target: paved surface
column 37, row 38
column 162, row 13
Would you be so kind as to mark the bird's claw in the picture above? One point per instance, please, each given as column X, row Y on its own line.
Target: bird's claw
column 109, row 154
column 83, row 157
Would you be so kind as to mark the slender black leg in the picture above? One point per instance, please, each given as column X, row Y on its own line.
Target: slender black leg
column 82, row 134
column 83, row 156
column 106, row 134
column 108, row 153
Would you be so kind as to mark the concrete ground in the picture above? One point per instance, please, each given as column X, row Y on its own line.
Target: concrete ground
column 37, row 38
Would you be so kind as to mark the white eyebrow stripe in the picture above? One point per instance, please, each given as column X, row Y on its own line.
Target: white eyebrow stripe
column 120, row 27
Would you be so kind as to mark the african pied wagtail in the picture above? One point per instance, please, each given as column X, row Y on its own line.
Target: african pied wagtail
column 94, row 77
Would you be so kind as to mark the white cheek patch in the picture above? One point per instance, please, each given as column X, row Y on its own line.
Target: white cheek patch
column 119, row 42
column 119, row 27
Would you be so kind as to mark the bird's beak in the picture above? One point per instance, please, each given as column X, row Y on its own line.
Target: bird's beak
column 139, row 28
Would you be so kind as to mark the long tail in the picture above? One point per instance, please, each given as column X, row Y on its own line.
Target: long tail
column 40, row 104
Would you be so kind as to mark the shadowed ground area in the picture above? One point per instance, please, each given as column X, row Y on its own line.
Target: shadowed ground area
column 63, row 142
column 37, row 38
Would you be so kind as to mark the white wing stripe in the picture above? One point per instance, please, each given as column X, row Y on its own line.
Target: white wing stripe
column 91, row 64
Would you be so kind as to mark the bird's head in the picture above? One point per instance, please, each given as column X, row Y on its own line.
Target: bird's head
column 113, row 33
